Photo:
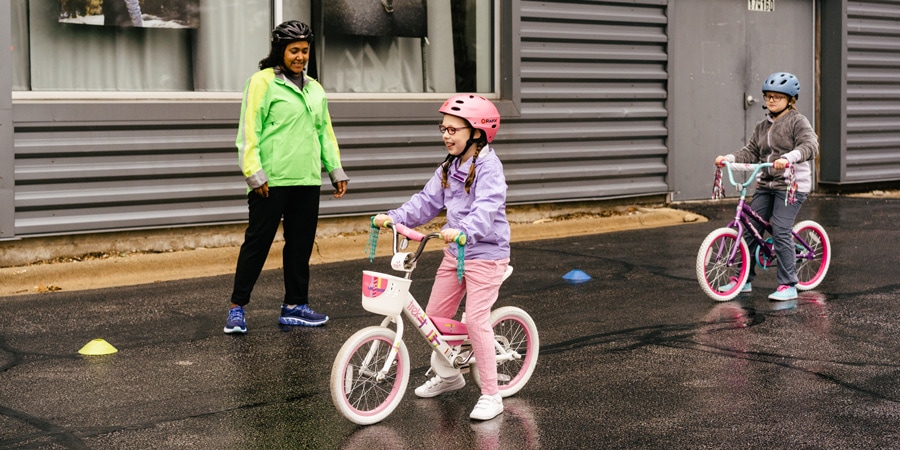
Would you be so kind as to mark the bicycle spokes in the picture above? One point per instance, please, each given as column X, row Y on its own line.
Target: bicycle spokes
column 721, row 268
column 813, row 254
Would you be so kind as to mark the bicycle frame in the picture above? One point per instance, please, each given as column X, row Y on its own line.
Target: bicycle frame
column 371, row 370
column 744, row 213
column 724, row 257
column 451, row 347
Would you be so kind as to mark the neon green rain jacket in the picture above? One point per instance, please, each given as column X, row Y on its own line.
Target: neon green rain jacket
column 285, row 134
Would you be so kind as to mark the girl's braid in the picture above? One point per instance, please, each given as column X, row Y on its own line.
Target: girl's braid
column 445, row 167
column 471, row 178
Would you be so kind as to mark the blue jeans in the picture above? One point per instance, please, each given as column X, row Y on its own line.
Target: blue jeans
column 770, row 206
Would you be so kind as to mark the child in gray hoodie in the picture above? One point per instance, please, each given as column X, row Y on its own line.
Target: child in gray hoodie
column 783, row 137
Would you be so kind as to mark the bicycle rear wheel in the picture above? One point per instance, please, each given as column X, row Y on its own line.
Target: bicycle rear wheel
column 811, row 265
column 517, row 334
column 714, row 270
column 355, row 389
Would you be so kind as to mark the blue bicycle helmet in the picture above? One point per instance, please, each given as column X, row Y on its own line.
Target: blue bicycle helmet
column 783, row 82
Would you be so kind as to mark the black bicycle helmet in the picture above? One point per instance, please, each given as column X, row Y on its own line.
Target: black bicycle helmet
column 291, row 31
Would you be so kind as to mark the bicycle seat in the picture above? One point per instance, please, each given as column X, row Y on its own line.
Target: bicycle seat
column 449, row 326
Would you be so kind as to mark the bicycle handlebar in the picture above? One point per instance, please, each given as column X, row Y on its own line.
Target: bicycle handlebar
column 409, row 232
column 419, row 237
column 745, row 167
column 719, row 189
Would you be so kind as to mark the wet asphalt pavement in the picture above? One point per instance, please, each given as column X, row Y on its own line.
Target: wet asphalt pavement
column 637, row 357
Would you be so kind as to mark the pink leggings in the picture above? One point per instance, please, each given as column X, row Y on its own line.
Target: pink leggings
column 481, row 286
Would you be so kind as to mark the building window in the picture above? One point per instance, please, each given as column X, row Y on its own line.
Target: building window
column 430, row 46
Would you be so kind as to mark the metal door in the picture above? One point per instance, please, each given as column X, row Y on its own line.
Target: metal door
column 722, row 52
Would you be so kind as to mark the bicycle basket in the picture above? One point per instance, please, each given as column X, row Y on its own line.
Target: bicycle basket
column 384, row 294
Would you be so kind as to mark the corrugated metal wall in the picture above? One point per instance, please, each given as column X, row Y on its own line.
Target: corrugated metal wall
column 593, row 102
column 592, row 125
column 873, row 91
column 124, row 165
column 867, row 119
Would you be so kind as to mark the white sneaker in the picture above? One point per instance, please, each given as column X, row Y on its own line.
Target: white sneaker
column 488, row 407
column 437, row 386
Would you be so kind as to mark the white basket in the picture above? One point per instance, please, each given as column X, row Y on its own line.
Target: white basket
column 384, row 294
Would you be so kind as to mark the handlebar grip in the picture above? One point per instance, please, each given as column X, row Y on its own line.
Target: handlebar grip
column 461, row 239
column 747, row 167
column 409, row 232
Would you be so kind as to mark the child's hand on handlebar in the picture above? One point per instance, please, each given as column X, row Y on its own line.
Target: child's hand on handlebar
column 780, row 163
column 451, row 235
column 381, row 220
column 720, row 160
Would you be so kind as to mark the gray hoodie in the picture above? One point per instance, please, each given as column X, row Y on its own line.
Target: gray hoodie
column 790, row 137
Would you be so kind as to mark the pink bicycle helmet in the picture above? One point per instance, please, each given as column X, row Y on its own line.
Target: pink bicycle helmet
column 475, row 109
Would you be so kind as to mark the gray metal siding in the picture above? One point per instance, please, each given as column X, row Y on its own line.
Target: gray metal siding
column 873, row 92
column 7, row 164
column 591, row 124
column 593, row 102
column 121, row 166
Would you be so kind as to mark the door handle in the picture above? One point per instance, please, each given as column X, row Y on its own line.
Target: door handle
column 749, row 101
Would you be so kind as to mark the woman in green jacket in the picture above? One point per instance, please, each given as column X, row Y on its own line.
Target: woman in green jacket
column 284, row 139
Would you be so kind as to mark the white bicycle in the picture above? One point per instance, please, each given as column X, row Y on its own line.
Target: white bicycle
column 371, row 370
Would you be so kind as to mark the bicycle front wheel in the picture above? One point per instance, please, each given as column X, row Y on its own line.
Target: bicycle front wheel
column 721, row 277
column 359, row 391
column 517, row 335
column 812, row 264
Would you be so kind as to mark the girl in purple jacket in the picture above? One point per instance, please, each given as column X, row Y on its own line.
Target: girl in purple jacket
column 471, row 186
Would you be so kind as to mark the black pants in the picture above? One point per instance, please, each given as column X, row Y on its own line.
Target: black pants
column 298, row 206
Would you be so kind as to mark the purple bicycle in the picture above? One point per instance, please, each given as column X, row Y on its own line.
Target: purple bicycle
column 722, row 256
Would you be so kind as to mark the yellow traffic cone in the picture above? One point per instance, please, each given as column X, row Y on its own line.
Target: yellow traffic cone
column 97, row 347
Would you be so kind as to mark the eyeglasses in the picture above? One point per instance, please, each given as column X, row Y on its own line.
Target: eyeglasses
column 772, row 98
column 449, row 130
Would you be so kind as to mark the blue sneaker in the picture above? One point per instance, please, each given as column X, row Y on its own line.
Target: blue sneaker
column 745, row 288
column 784, row 293
column 301, row 315
column 236, row 322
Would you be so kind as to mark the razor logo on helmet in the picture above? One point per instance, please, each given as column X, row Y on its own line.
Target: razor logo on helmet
column 475, row 109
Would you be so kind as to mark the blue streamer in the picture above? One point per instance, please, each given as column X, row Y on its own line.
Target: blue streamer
column 460, row 261
column 373, row 241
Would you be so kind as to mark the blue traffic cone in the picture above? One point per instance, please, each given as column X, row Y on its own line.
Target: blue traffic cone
column 576, row 276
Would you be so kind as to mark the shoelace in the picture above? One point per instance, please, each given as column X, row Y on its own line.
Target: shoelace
column 718, row 191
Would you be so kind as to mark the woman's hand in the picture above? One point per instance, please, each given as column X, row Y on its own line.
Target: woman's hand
column 340, row 189
column 262, row 191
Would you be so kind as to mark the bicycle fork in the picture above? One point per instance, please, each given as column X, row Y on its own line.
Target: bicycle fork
column 381, row 374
